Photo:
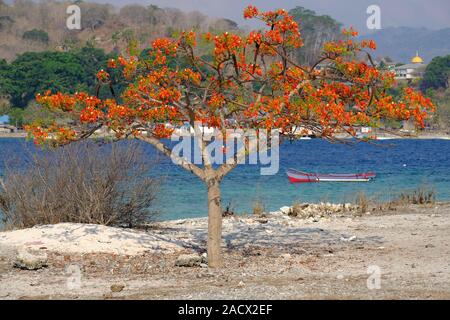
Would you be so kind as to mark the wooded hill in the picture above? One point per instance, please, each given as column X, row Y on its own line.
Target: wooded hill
column 26, row 26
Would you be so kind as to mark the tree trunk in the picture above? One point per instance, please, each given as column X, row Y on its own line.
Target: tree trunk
column 214, row 224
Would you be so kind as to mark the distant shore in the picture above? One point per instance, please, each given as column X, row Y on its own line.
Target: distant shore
column 422, row 135
column 13, row 135
column 425, row 135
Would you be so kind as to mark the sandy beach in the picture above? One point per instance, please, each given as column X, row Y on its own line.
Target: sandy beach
column 333, row 255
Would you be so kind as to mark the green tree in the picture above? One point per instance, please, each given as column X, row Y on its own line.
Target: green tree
column 16, row 117
column 6, row 85
column 36, row 35
column 37, row 72
column 436, row 74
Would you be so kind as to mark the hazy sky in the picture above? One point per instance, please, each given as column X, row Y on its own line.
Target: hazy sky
column 433, row 14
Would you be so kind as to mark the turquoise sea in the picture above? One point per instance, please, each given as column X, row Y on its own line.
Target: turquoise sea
column 400, row 165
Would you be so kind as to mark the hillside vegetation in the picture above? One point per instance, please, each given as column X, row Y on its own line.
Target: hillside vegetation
column 435, row 84
column 39, row 53
column 30, row 26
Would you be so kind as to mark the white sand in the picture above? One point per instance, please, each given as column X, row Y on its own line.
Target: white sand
column 278, row 257
column 88, row 238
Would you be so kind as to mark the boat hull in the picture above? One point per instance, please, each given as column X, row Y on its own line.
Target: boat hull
column 304, row 177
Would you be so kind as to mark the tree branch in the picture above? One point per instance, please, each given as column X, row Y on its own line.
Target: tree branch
column 168, row 152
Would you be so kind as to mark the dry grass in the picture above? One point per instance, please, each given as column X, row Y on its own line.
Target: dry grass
column 362, row 201
column 81, row 183
column 421, row 195
column 258, row 208
column 297, row 211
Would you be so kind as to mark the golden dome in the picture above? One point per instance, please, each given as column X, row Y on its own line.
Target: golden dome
column 417, row 59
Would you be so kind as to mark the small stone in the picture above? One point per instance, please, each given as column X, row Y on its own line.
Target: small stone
column 117, row 287
column 29, row 260
column 203, row 265
column 241, row 284
column 205, row 258
column 286, row 256
column 285, row 209
column 189, row 260
column 107, row 296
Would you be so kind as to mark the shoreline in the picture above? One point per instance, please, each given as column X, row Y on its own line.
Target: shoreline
column 423, row 136
column 20, row 135
column 274, row 256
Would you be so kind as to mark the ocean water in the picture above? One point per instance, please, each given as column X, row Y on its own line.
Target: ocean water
column 400, row 165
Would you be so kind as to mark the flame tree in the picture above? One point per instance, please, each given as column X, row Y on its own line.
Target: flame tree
column 251, row 82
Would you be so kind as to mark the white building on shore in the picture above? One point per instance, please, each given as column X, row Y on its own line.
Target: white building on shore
column 411, row 71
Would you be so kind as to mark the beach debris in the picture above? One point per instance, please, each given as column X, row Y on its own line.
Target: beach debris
column 315, row 211
column 117, row 287
column 189, row 260
column 286, row 256
column 241, row 284
column 30, row 260
column 107, row 296
column 285, row 209
column 352, row 238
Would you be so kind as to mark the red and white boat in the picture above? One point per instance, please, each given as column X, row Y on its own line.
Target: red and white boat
column 299, row 176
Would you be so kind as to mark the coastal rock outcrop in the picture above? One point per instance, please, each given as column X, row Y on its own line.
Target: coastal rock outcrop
column 191, row 260
column 285, row 209
column 313, row 212
column 30, row 260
